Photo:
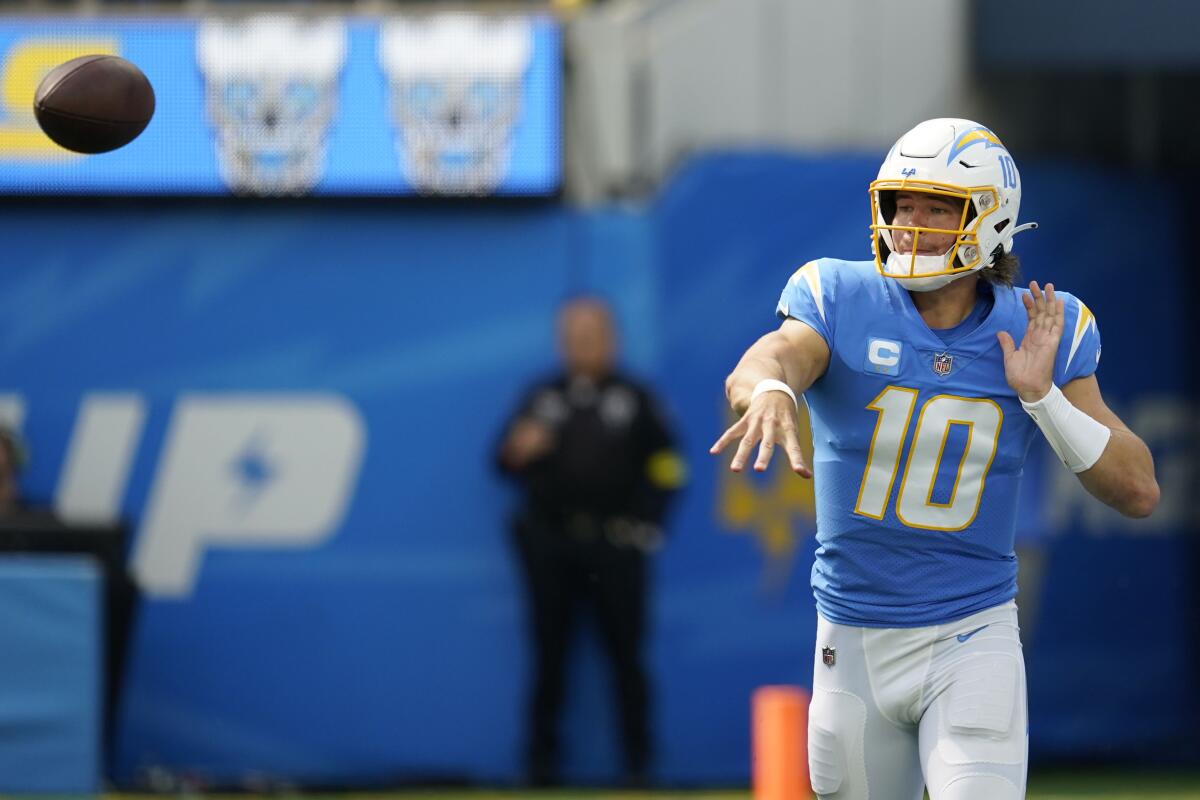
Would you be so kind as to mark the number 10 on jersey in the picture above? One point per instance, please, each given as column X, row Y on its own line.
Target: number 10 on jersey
column 915, row 506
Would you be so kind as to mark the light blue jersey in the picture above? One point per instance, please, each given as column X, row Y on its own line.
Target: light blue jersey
column 918, row 446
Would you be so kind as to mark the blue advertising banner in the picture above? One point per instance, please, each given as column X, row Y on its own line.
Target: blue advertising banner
column 440, row 104
column 300, row 432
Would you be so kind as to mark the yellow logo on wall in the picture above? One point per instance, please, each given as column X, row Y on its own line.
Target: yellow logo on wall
column 21, row 70
column 774, row 507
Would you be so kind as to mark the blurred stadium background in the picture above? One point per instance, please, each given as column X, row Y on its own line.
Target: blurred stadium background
column 259, row 357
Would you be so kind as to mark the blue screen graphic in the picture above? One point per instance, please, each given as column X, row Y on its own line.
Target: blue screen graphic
column 495, row 131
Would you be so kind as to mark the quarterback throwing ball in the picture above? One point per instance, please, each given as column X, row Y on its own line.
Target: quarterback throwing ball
column 927, row 375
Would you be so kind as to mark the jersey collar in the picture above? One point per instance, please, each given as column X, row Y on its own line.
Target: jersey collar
column 973, row 344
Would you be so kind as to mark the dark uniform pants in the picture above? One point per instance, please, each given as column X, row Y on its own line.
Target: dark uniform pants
column 568, row 566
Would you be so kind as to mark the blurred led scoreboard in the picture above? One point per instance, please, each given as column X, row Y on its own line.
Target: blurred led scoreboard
column 281, row 105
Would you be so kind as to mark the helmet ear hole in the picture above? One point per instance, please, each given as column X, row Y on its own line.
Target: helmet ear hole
column 1002, row 224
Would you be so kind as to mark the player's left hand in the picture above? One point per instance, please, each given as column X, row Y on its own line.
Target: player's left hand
column 1029, row 369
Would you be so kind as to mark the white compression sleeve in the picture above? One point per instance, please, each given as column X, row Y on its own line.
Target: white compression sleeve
column 1077, row 438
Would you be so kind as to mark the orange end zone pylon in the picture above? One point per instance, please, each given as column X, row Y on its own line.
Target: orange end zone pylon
column 780, row 742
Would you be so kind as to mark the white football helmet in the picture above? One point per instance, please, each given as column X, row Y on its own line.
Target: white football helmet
column 952, row 158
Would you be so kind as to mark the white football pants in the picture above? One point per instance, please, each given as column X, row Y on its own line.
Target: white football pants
column 902, row 708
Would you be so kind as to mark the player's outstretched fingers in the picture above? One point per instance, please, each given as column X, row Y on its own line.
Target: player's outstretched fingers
column 1027, row 300
column 767, row 447
column 746, row 446
column 791, row 443
column 734, row 431
column 1057, row 307
column 1039, row 299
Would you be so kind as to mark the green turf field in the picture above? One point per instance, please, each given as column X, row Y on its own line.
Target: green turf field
column 1042, row 786
column 1114, row 786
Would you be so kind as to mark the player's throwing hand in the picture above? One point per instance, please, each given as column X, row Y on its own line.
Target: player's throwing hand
column 1030, row 368
column 771, row 418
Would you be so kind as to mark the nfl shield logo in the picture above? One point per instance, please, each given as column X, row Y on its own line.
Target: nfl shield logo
column 942, row 364
column 829, row 656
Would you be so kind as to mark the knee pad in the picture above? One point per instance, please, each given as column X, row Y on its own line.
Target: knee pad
column 837, row 724
column 978, row 787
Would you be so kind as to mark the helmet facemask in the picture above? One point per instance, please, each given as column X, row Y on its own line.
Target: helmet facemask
column 928, row 272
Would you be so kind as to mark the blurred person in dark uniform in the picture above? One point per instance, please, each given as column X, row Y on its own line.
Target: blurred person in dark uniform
column 596, row 463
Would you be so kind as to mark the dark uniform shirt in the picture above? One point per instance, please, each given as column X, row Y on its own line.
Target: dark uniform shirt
column 613, row 453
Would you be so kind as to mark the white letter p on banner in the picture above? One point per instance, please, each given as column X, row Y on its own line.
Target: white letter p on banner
column 246, row 471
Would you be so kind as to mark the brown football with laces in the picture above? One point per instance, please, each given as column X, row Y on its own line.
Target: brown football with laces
column 94, row 104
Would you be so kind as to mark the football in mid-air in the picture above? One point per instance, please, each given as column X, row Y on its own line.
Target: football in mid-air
column 94, row 104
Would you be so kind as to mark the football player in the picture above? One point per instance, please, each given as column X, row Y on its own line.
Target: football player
column 927, row 376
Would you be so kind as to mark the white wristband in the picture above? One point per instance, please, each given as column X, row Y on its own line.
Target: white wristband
column 772, row 385
column 1077, row 438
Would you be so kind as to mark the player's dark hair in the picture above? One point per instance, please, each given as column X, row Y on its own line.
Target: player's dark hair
column 1004, row 270
column 1005, row 267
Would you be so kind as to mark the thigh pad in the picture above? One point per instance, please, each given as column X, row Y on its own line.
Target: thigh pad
column 837, row 725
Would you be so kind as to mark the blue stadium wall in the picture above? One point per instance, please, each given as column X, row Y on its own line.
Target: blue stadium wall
column 386, row 643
